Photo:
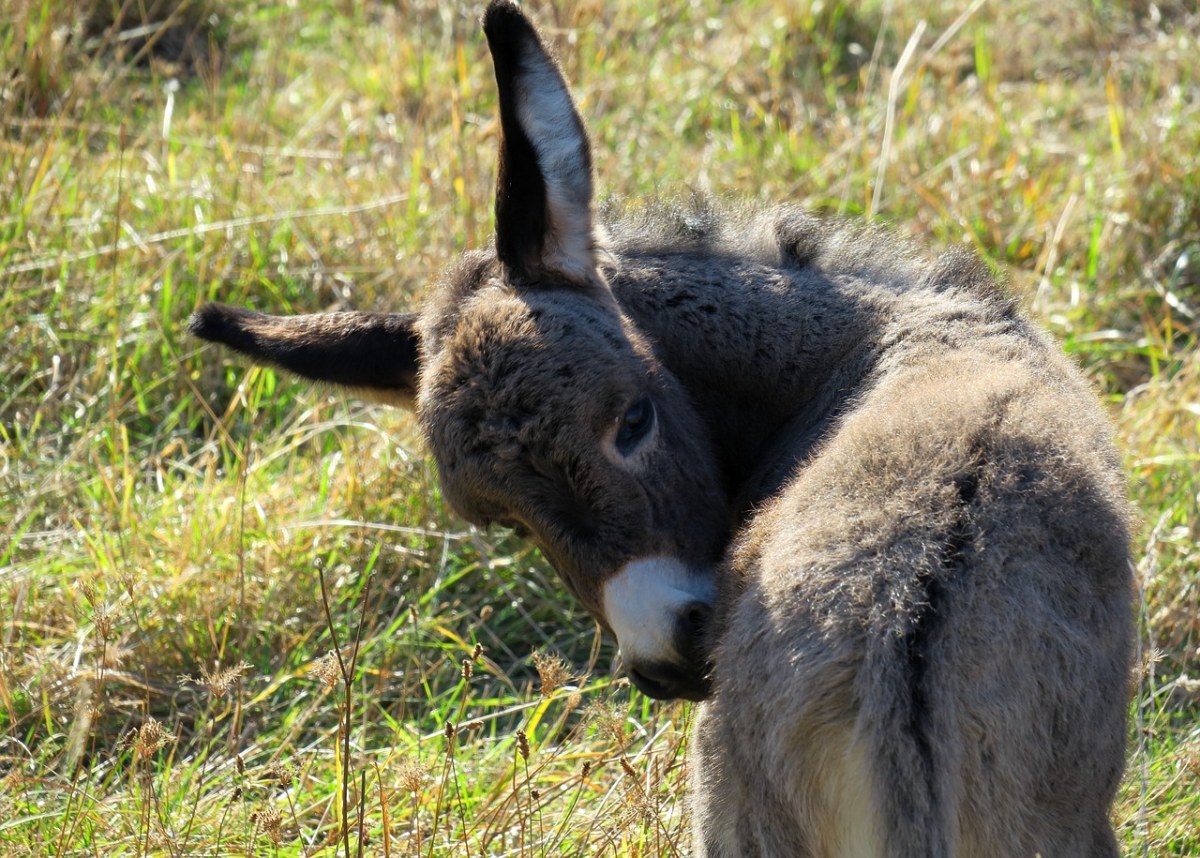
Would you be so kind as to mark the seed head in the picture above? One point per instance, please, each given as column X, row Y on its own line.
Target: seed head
column 412, row 776
column 608, row 721
column 640, row 808
column 218, row 682
column 1142, row 670
column 326, row 670
column 553, row 671
column 270, row 821
column 102, row 618
column 282, row 773
column 523, row 744
column 149, row 739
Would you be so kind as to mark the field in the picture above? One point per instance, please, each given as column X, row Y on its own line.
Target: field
column 236, row 617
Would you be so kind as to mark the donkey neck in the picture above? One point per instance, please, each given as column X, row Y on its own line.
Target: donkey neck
column 764, row 352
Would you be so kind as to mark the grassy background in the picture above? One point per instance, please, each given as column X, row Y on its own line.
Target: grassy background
column 171, row 519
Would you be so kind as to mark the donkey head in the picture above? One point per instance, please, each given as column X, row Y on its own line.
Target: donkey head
column 544, row 406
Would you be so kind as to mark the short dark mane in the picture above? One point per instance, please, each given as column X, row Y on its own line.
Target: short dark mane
column 791, row 236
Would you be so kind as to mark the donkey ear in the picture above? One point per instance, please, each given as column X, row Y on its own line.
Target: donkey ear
column 544, row 220
column 376, row 354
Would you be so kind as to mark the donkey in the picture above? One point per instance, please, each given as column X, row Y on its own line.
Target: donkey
column 849, row 498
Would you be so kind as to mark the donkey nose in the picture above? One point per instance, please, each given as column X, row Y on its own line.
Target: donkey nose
column 660, row 610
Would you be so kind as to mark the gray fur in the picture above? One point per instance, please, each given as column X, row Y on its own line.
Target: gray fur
column 907, row 498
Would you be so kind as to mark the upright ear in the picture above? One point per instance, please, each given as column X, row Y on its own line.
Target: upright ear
column 544, row 222
column 376, row 354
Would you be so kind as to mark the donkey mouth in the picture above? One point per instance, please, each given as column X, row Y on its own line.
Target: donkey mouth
column 667, row 682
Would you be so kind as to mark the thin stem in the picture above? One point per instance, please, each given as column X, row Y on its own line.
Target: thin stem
column 347, row 672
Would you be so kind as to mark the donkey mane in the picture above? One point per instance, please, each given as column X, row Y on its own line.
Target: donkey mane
column 789, row 236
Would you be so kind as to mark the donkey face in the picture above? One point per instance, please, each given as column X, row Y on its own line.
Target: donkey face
column 544, row 406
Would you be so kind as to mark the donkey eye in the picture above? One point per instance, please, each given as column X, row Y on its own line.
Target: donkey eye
column 635, row 426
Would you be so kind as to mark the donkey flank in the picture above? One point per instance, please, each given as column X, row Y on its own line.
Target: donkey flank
column 849, row 498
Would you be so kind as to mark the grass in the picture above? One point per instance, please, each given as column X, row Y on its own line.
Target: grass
column 237, row 618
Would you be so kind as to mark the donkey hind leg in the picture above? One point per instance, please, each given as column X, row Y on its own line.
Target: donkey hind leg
column 809, row 796
column 939, row 794
column 735, row 813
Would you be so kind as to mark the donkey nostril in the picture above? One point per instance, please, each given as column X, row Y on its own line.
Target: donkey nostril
column 695, row 618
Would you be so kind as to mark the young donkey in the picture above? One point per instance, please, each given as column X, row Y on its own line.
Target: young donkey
column 853, row 501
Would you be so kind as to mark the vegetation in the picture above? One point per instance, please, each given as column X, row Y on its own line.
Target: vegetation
column 235, row 615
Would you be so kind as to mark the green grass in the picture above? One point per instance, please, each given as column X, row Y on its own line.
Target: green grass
column 168, row 512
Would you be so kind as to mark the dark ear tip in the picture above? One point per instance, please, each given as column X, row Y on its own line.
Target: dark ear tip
column 504, row 20
column 212, row 322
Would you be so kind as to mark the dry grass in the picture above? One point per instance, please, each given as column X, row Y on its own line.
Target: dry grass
column 268, row 575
